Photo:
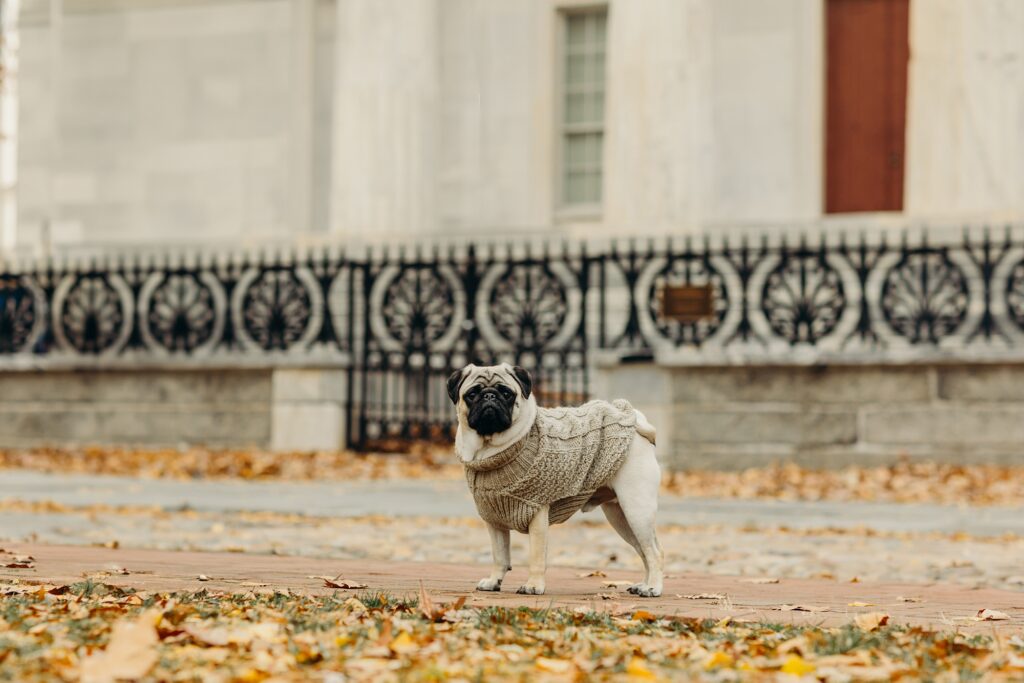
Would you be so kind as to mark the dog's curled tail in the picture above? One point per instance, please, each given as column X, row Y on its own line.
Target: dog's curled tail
column 645, row 428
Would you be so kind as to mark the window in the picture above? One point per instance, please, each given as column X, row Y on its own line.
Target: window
column 583, row 107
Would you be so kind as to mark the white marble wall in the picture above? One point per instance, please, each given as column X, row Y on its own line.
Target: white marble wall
column 161, row 120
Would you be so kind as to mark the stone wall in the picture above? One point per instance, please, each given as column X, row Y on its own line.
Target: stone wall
column 151, row 407
column 733, row 417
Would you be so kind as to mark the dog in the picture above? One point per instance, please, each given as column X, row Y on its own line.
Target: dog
column 529, row 467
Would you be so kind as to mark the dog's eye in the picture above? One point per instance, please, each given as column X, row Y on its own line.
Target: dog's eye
column 473, row 393
column 506, row 392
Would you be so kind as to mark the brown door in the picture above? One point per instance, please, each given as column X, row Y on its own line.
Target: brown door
column 866, row 103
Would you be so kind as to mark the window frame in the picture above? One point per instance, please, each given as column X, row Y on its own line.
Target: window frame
column 563, row 130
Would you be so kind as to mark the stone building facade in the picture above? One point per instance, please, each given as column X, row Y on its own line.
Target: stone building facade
column 212, row 125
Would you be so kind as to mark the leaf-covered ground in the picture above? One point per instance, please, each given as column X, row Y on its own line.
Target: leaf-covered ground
column 907, row 481
column 92, row 632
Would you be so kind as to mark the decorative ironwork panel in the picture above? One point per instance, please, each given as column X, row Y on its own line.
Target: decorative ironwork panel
column 1015, row 294
column 92, row 314
column 803, row 297
column 276, row 309
column 180, row 312
column 688, row 269
column 17, row 314
column 924, row 296
column 418, row 307
column 528, row 305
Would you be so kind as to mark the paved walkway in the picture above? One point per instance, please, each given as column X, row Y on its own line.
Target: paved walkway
column 398, row 498
column 823, row 602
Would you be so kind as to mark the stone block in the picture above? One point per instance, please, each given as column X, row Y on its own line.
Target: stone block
column 943, row 425
column 771, row 384
column 306, row 385
column 764, row 426
column 308, row 427
column 981, row 383
column 165, row 387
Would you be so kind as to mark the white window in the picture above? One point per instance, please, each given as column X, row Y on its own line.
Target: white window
column 583, row 107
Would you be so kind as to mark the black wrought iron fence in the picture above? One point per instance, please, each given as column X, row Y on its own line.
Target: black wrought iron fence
column 402, row 319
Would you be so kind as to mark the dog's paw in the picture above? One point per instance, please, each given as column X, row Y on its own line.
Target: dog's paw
column 489, row 584
column 642, row 590
column 531, row 589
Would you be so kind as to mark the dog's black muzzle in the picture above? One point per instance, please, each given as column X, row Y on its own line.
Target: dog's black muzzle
column 490, row 414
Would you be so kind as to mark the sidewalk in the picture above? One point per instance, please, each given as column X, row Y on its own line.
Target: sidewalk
column 823, row 602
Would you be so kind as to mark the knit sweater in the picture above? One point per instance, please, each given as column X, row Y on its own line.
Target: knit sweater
column 567, row 456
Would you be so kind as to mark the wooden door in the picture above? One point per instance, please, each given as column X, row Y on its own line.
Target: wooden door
column 866, row 101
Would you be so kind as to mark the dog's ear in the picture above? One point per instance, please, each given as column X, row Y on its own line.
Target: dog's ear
column 524, row 379
column 455, row 383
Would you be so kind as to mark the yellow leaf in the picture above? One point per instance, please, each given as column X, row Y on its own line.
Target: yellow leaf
column 131, row 652
column 637, row 668
column 719, row 660
column 403, row 644
column 343, row 640
column 796, row 665
column 869, row 621
column 554, row 666
column 643, row 615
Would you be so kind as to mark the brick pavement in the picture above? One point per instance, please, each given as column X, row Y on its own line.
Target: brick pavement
column 939, row 606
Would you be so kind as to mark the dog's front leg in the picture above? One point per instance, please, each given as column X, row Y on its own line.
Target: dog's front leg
column 538, row 553
column 502, row 560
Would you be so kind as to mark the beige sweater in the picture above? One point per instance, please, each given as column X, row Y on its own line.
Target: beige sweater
column 567, row 455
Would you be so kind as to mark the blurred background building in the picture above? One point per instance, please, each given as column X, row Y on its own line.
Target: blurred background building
column 175, row 127
column 150, row 121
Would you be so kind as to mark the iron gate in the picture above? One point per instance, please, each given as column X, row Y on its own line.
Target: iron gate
column 424, row 315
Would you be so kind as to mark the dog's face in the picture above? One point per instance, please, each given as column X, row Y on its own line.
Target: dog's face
column 489, row 397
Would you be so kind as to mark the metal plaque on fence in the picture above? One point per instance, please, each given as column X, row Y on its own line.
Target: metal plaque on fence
column 687, row 303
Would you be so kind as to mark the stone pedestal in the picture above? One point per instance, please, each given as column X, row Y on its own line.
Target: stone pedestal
column 308, row 410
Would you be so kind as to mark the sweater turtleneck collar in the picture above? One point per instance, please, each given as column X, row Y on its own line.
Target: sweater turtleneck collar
column 504, row 457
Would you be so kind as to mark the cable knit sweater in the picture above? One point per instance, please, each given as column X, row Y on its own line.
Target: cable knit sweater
column 568, row 454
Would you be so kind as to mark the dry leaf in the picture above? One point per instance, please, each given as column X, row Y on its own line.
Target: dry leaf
column 643, row 615
column 803, row 608
column 203, row 577
column 338, row 582
column 596, row 572
column 761, row 580
column 901, row 598
column 403, row 644
column 607, row 596
column 870, row 621
column 796, row 665
column 703, row 596
column 616, row 584
column 860, row 604
column 554, row 666
column 991, row 615
column 130, row 654
column 637, row 669
column 719, row 660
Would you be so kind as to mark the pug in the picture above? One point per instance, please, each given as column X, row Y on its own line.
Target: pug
column 529, row 467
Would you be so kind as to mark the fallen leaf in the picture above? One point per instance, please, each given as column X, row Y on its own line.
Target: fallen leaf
column 607, row 596
column 203, row 577
column 130, row 653
column 703, row 596
column 554, row 666
column 871, row 621
column 855, row 579
column 803, row 608
column 403, row 644
column 860, row 604
column 991, row 615
column 338, row 582
column 616, row 584
column 596, row 572
column 637, row 668
column 761, row 580
column 1015, row 580
column 643, row 615
column 719, row 660
column 901, row 598
column 795, row 665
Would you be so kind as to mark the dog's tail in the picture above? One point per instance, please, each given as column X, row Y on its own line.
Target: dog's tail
column 645, row 428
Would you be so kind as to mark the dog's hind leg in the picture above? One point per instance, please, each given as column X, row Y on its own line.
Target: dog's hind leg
column 617, row 518
column 502, row 555
column 636, row 487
